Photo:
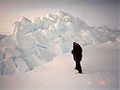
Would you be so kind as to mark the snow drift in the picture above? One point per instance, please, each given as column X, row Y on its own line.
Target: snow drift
column 39, row 41
column 100, row 65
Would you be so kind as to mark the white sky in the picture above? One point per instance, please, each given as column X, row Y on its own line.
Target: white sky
column 93, row 12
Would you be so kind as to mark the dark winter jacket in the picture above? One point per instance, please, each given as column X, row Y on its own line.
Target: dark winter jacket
column 77, row 52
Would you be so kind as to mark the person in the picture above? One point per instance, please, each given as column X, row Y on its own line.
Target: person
column 77, row 55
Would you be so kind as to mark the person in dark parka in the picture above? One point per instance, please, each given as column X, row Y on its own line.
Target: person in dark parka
column 77, row 55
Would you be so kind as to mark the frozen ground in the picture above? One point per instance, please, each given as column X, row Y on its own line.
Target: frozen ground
column 100, row 72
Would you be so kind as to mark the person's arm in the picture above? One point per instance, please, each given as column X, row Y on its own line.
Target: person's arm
column 73, row 51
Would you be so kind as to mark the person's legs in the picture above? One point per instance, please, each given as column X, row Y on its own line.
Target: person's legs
column 76, row 65
column 80, row 68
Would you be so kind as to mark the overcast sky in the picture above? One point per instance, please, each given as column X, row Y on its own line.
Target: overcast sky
column 93, row 12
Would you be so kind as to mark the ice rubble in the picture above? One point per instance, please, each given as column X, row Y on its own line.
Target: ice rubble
column 36, row 42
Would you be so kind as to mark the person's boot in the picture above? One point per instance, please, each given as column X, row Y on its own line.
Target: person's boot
column 76, row 68
column 80, row 71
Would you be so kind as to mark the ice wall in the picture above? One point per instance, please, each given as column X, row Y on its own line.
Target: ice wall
column 36, row 42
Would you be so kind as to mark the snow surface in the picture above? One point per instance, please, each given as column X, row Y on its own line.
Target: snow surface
column 100, row 72
column 36, row 42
